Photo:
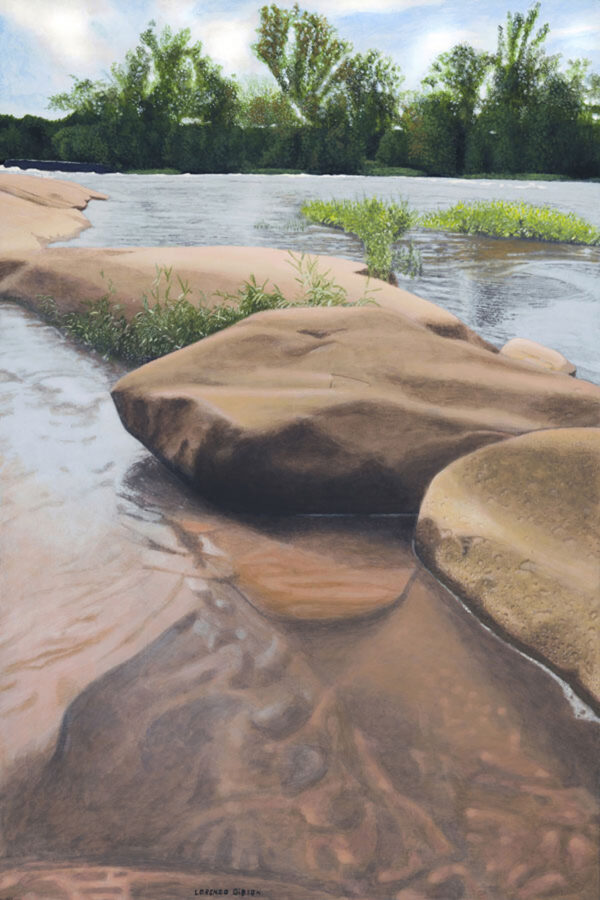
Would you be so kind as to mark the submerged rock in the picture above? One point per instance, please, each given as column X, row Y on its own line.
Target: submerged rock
column 538, row 355
column 335, row 409
column 515, row 530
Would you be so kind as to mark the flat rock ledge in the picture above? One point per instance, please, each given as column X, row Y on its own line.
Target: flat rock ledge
column 514, row 529
column 335, row 410
column 35, row 211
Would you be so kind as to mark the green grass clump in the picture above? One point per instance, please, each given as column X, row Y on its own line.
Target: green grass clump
column 169, row 320
column 378, row 224
column 502, row 218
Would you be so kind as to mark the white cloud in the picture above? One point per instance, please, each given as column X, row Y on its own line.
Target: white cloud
column 430, row 43
column 228, row 42
column 63, row 27
column 577, row 30
column 339, row 8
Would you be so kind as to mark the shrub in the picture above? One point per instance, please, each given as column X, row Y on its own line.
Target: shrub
column 500, row 218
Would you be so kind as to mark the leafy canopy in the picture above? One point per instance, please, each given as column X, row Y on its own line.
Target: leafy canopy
column 165, row 74
column 302, row 51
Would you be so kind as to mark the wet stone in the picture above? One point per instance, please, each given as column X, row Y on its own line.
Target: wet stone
column 282, row 718
column 302, row 767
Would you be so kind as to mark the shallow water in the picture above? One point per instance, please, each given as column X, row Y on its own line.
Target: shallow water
column 410, row 754
column 501, row 288
column 412, row 747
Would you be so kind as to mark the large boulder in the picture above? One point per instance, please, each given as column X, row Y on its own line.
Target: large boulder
column 514, row 529
column 335, row 409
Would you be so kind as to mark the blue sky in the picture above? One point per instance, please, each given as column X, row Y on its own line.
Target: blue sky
column 42, row 42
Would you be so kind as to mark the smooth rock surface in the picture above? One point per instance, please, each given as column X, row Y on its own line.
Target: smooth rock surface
column 537, row 355
column 335, row 409
column 35, row 211
column 515, row 530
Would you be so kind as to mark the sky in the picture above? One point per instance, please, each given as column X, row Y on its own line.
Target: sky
column 43, row 42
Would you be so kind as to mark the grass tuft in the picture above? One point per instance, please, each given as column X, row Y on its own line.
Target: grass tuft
column 378, row 224
column 500, row 218
column 170, row 320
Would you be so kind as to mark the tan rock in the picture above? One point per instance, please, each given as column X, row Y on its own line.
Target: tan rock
column 515, row 530
column 537, row 355
column 334, row 409
column 35, row 211
column 73, row 274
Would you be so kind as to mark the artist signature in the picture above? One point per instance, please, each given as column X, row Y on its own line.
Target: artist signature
column 219, row 892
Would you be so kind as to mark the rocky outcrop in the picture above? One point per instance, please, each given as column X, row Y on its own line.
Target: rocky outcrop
column 72, row 274
column 515, row 530
column 335, row 409
column 35, row 211
column 538, row 355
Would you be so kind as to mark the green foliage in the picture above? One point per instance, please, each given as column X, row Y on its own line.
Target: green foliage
column 263, row 104
column 392, row 150
column 368, row 88
column 433, row 134
column 302, row 50
column 499, row 218
column 169, row 320
column 520, row 62
column 460, row 72
column 378, row 224
column 371, row 167
column 163, row 81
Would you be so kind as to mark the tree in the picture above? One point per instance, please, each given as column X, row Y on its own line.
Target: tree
column 302, row 51
column 458, row 76
column 162, row 82
column 461, row 72
column 431, row 127
column 520, row 71
column 520, row 63
column 262, row 104
column 368, row 87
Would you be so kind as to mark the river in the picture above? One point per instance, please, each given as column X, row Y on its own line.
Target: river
column 410, row 748
column 501, row 288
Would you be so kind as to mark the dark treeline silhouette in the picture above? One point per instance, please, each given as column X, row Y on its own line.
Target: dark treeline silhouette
column 326, row 109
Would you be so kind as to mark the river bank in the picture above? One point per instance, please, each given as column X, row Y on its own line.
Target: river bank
column 176, row 703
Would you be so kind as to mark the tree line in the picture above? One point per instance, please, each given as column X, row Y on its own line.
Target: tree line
column 327, row 108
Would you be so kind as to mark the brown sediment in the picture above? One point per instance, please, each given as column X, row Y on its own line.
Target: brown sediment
column 409, row 750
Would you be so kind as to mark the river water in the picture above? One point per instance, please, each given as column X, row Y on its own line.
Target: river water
column 409, row 748
column 501, row 288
